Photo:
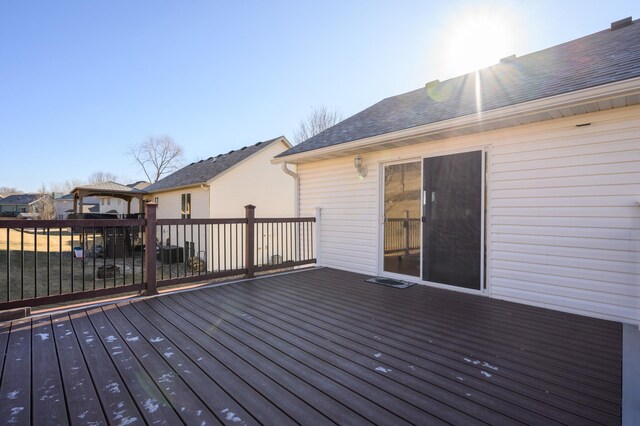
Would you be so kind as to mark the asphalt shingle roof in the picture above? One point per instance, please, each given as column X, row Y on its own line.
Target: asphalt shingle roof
column 600, row 58
column 204, row 170
column 110, row 186
column 20, row 199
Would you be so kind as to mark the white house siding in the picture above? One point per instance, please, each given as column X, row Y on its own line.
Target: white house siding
column 170, row 202
column 169, row 207
column 563, row 213
column 108, row 204
column 255, row 181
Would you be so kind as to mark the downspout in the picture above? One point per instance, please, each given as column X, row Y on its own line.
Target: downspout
column 207, row 188
column 296, row 189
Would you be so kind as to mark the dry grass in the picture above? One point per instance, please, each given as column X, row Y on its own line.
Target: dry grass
column 57, row 239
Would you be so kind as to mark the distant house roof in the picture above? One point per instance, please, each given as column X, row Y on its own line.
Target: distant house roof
column 202, row 171
column 20, row 199
column 141, row 184
column 108, row 187
column 65, row 197
column 604, row 57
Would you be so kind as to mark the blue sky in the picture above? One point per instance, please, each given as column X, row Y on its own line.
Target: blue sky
column 83, row 81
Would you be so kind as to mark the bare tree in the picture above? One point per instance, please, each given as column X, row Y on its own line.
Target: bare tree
column 158, row 156
column 320, row 119
column 98, row 177
column 8, row 190
column 44, row 206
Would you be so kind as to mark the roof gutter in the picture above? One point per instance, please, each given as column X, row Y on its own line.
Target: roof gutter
column 593, row 94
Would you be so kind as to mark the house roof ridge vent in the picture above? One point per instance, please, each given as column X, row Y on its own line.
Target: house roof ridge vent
column 621, row 23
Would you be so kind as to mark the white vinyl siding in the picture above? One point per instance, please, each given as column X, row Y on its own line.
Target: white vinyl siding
column 563, row 213
column 255, row 181
column 565, row 220
column 170, row 203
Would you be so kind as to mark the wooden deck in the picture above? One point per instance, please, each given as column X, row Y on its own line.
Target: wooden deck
column 314, row 347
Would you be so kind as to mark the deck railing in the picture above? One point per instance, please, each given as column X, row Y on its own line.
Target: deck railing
column 55, row 261
column 401, row 235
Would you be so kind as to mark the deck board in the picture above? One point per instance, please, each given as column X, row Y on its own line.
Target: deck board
column 149, row 399
column 342, row 362
column 15, row 390
column 245, row 397
column 427, row 322
column 454, row 364
column 317, row 373
column 213, row 396
column 314, row 347
column 446, row 374
column 300, row 394
column 117, row 404
column 80, row 393
column 48, row 393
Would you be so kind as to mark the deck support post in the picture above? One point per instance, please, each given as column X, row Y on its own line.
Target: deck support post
column 150, row 258
column 249, row 243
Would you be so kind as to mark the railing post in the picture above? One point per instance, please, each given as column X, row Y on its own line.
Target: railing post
column 249, row 240
column 150, row 257
column 317, row 242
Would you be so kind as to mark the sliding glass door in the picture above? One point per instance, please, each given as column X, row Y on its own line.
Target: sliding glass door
column 452, row 210
column 402, row 212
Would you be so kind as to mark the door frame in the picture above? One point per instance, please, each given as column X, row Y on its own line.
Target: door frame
column 381, row 190
column 484, row 219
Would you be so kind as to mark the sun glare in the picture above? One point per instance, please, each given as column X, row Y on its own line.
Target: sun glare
column 477, row 39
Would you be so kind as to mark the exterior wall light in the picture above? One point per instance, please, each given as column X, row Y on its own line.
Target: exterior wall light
column 362, row 170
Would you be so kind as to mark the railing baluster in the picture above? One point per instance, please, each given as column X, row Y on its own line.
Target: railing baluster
column 22, row 263
column 72, row 256
column 93, row 250
column 48, row 261
column 35, row 261
column 169, row 252
column 60, row 260
column 8, row 264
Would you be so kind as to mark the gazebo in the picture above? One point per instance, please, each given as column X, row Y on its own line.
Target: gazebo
column 106, row 189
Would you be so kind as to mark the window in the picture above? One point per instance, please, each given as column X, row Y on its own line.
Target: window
column 186, row 206
column 156, row 200
column 108, row 201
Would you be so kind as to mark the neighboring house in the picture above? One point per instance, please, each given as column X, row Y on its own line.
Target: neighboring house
column 520, row 181
column 220, row 187
column 22, row 205
column 115, row 205
column 64, row 205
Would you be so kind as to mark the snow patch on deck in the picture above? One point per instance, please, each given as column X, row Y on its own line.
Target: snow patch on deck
column 151, row 405
column 231, row 416
column 43, row 336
